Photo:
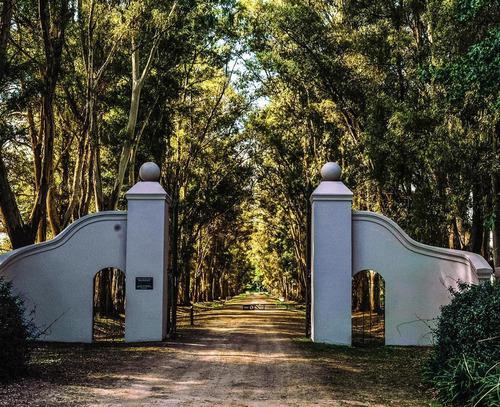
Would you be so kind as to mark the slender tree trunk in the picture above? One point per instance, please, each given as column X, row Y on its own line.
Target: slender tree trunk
column 52, row 213
column 97, row 184
column 477, row 220
column 78, row 174
column 187, row 280
column 5, row 24
column 496, row 199
column 19, row 234
column 496, row 225
column 53, row 19
column 138, row 80
column 364, row 304
column 371, row 287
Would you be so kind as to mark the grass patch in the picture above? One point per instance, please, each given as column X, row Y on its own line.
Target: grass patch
column 388, row 375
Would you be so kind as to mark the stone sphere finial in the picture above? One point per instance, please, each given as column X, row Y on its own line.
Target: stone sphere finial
column 149, row 172
column 331, row 172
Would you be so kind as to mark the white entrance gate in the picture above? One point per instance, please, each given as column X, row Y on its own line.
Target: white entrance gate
column 417, row 277
column 55, row 278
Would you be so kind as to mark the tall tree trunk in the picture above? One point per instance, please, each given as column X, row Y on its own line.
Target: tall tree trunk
column 496, row 199
column 78, row 174
column 96, row 172
column 378, row 290
column 364, row 291
column 477, row 219
column 138, row 80
column 187, row 280
column 19, row 234
column 371, row 288
column 54, row 16
column 105, row 292
column 496, row 225
column 5, row 24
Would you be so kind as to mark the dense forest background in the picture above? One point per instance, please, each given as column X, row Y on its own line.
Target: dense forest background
column 240, row 103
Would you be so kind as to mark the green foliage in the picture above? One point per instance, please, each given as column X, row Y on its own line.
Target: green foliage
column 466, row 382
column 469, row 325
column 242, row 103
column 403, row 94
column 464, row 365
column 15, row 331
column 188, row 120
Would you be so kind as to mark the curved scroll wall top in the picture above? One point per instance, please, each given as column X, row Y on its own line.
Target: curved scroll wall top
column 55, row 278
column 478, row 264
column 62, row 238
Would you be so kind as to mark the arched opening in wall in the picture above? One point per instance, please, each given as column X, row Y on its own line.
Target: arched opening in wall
column 368, row 309
column 108, row 322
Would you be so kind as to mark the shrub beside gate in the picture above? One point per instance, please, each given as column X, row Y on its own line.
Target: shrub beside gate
column 465, row 365
column 15, row 331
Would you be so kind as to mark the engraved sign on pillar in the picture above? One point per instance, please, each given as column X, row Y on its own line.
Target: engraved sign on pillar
column 144, row 283
column 147, row 257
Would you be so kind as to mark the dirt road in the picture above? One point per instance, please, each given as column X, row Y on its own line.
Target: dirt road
column 247, row 358
column 231, row 357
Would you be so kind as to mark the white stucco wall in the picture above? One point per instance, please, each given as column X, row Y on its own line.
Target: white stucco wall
column 331, row 277
column 417, row 277
column 56, row 278
column 147, row 250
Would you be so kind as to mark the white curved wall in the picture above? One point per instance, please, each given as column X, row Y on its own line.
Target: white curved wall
column 417, row 277
column 55, row 278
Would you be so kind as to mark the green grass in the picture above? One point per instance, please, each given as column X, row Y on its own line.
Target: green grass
column 386, row 375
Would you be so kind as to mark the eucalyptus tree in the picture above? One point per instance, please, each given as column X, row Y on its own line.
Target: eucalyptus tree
column 400, row 92
column 403, row 93
column 34, row 41
column 465, row 48
column 140, row 17
column 135, row 81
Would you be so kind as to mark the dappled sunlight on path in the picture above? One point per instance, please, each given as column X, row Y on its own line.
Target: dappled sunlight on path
column 231, row 357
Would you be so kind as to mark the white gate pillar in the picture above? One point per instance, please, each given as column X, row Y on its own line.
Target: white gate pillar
column 146, row 258
column 331, row 259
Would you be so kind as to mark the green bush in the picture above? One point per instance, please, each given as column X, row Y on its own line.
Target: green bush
column 14, row 334
column 467, row 382
column 464, row 366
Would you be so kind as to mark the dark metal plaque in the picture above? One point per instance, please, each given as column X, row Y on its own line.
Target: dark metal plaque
column 144, row 283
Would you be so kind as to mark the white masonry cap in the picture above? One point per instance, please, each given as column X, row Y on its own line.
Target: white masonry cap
column 331, row 172
column 149, row 172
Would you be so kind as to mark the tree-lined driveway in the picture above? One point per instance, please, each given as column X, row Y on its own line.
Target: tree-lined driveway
column 231, row 357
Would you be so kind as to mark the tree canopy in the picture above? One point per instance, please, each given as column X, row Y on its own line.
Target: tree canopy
column 240, row 102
